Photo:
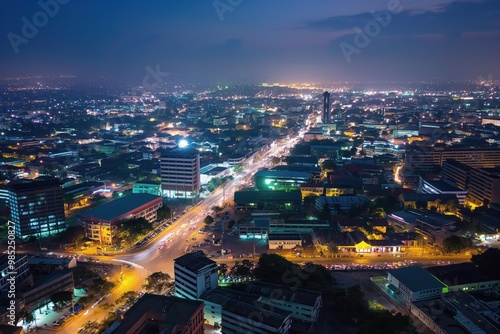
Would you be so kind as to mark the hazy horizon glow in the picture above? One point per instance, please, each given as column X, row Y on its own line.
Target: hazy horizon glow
column 282, row 40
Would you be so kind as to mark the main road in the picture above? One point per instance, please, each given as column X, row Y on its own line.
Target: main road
column 172, row 242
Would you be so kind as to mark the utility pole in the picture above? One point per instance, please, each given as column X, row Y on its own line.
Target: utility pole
column 222, row 242
column 254, row 245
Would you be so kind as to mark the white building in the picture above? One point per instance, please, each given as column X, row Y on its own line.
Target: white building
column 302, row 303
column 194, row 274
column 239, row 317
column 180, row 173
column 415, row 283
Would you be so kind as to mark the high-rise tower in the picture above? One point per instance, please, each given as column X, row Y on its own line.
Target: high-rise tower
column 326, row 107
column 36, row 207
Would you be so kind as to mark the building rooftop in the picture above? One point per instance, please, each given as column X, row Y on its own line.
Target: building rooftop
column 82, row 187
column 414, row 197
column 455, row 163
column 153, row 183
column 457, row 274
column 174, row 311
column 256, row 311
column 307, row 169
column 281, row 292
column 120, row 206
column 284, row 236
column 278, row 195
column 220, row 296
column 216, row 170
column 20, row 185
column 282, row 174
column 49, row 261
column 261, row 222
column 416, row 278
column 332, row 200
column 194, row 261
column 4, row 260
column 443, row 186
column 42, row 279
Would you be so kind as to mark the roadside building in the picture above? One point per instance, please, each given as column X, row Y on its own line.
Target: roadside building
column 78, row 195
column 280, row 180
column 415, row 283
column 440, row 187
column 463, row 277
column 102, row 222
column 147, row 187
column 304, row 304
column 45, row 286
column 239, row 317
column 162, row 314
column 284, row 240
column 277, row 201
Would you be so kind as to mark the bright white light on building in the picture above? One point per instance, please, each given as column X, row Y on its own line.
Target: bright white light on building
column 183, row 143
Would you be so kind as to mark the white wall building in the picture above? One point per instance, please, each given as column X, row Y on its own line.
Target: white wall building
column 194, row 274
column 180, row 173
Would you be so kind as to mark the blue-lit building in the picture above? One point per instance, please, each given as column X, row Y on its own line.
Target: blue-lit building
column 36, row 207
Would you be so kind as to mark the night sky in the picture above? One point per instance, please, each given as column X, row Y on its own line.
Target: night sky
column 256, row 40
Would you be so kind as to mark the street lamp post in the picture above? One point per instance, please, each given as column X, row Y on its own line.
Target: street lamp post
column 222, row 242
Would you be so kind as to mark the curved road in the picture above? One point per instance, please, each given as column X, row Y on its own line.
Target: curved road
column 176, row 238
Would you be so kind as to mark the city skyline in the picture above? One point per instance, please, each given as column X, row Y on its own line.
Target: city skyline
column 370, row 41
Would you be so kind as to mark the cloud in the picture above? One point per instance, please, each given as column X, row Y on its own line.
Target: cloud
column 436, row 19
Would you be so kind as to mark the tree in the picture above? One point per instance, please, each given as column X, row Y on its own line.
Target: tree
column 452, row 205
column 128, row 298
column 217, row 209
column 332, row 248
column 61, row 298
column 271, row 268
column 101, row 286
column 158, row 283
column 310, row 200
column 325, row 213
column 27, row 316
column 164, row 212
column 107, row 306
column 208, row 220
column 276, row 161
column 131, row 230
column 230, row 224
column 243, row 268
column 452, row 244
column 488, row 262
column 73, row 234
column 223, row 269
column 329, row 165
column 420, row 205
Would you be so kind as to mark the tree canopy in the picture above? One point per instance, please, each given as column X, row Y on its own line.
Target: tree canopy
column 131, row 230
column 158, row 283
column 61, row 298
column 452, row 244
column 208, row 220
column 488, row 262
